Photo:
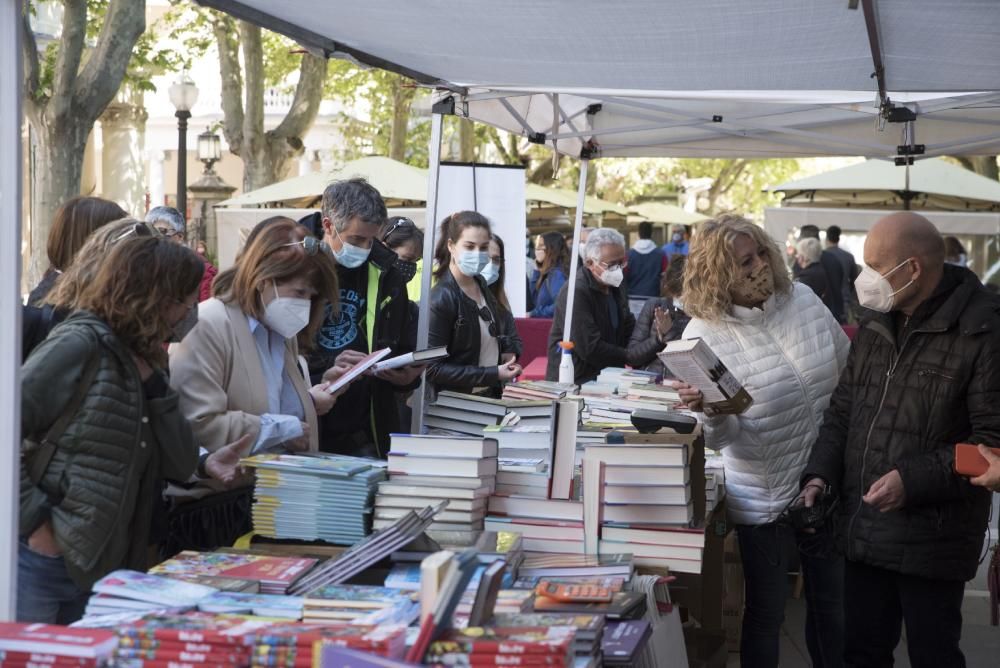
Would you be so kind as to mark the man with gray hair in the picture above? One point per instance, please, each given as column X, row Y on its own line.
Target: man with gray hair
column 602, row 322
column 373, row 314
column 808, row 252
column 169, row 222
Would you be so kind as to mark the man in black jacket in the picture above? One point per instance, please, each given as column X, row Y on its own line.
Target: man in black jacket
column 834, row 298
column 923, row 374
column 373, row 314
column 602, row 322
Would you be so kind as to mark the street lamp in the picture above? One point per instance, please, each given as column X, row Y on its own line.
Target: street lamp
column 183, row 95
column 209, row 149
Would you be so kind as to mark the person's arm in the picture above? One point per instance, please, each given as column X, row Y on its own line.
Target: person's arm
column 445, row 320
column 198, row 373
column 178, row 449
column 827, row 458
column 644, row 329
column 929, row 477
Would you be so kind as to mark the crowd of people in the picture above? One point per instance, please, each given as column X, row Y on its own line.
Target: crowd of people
column 148, row 374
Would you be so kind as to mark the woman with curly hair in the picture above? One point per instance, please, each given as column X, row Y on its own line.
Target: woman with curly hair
column 782, row 343
column 102, row 427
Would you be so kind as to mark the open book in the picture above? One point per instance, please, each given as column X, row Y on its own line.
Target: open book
column 416, row 357
column 367, row 363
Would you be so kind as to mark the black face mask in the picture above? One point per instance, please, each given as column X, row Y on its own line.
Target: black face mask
column 406, row 269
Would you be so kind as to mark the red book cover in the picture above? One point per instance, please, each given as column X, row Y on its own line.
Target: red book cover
column 152, row 644
column 58, row 640
column 553, row 640
column 195, row 628
column 176, row 664
column 231, row 658
column 276, row 570
column 518, row 659
column 49, row 659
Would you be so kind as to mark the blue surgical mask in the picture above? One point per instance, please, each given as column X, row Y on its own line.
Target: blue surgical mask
column 350, row 256
column 471, row 263
column 678, row 237
column 491, row 273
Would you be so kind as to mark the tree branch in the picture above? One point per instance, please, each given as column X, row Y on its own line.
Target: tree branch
column 253, row 63
column 32, row 66
column 228, row 45
column 308, row 95
column 505, row 155
column 102, row 74
column 74, row 34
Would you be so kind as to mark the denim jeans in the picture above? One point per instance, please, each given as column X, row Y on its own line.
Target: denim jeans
column 766, row 553
column 877, row 602
column 45, row 592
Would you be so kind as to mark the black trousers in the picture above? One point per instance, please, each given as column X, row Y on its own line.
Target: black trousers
column 878, row 601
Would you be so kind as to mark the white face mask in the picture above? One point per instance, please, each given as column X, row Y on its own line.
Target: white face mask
column 491, row 273
column 875, row 291
column 287, row 316
column 613, row 277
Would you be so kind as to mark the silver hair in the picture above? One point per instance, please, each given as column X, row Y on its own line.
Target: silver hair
column 168, row 215
column 599, row 238
column 810, row 249
column 343, row 201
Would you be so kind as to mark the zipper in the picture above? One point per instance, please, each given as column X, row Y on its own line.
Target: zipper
column 928, row 372
column 871, row 430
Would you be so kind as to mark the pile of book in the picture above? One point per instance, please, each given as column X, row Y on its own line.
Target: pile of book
column 133, row 592
column 50, row 645
column 314, row 496
column 428, row 469
column 715, row 481
column 262, row 605
column 492, row 646
column 623, row 380
column 469, row 414
column 270, row 574
column 360, row 604
column 624, row 642
column 489, row 547
column 637, row 500
column 536, row 389
column 586, row 645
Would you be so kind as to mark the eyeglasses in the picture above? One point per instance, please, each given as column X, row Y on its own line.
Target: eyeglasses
column 138, row 229
column 485, row 314
column 617, row 265
column 168, row 232
column 311, row 245
column 400, row 222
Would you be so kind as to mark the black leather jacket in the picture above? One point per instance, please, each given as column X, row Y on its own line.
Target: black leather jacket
column 912, row 390
column 455, row 324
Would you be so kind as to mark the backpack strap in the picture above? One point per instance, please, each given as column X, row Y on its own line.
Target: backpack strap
column 42, row 455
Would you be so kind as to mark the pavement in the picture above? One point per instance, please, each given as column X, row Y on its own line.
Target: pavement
column 980, row 641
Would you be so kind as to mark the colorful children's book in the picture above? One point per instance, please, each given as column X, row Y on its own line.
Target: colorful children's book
column 153, row 588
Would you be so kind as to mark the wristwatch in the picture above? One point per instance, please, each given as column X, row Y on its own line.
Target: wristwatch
column 200, row 471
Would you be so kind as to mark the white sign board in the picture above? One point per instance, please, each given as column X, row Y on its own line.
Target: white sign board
column 497, row 192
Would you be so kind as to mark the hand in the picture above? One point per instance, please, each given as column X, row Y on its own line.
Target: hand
column 509, row 371
column 402, row 376
column 224, row 464
column 508, row 358
column 990, row 479
column 887, row 493
column 691, row 397
column 145, row 370
column 814, row 487
column 345, row 362
column 662, row 322
column 300, row 444
column 43, row 541
column 323, row 401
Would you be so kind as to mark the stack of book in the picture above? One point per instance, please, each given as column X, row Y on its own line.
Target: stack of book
column 456, row 469
column 625, row 379
column 130, row 591
column 563, row 567
column 191, row 639
column 314, row 497
column 508, row 601
column 295, row 645
column 536, row 389
column 274, row 575
column 49, row 645
column 715, row 482
column 545, row 525
column 261, row 605
column 525, row 458
column 491, row 646
column 359, row 604
column 469, row 414
column 589, row 630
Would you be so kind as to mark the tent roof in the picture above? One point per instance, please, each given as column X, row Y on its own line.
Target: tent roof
column 661, row 212
column 566, row 199
column 396, row 180
column 881, row 184
column 694, row 78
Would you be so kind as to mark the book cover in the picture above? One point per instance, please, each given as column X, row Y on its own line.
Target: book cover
column 622, row 605
column 153, row 588
column 261, row 568
column 694, row 362
column 354, row 596
column 625, row 639
column 60, row 640
column 262, row 605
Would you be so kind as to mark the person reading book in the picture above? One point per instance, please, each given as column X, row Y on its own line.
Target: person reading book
column 102, row 427
column 237, row 372
column 373, row 313
column 785, row 347
column 466, row 316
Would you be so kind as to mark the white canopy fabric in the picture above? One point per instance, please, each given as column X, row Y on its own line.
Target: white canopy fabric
column 879, row 184
column 661, row 212
column 694, row 78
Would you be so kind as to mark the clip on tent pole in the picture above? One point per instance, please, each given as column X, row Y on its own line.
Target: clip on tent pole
column 566, row 370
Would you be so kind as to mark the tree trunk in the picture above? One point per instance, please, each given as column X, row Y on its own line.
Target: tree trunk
column 270, row 163
column 985, row 165
column 402, row 101
column 58, row 167
column 466, row 140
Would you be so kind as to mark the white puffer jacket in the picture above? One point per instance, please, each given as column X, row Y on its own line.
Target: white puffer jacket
column 789, row 356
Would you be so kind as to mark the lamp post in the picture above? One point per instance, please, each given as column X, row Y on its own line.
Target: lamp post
column 209, row 149
column 183, row 95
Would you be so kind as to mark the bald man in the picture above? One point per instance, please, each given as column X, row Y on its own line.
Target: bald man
column 923, row 374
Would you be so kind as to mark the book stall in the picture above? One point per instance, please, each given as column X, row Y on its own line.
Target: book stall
column 541, row 528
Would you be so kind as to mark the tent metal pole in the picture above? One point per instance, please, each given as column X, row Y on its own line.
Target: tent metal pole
column 11, row 77
column 574, row 263
column 430, row 230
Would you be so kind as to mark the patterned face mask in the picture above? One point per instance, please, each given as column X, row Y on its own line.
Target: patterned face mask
column 406, row 269
column 755, row 288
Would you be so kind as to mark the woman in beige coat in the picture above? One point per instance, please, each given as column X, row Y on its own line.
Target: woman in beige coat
column 238, row 373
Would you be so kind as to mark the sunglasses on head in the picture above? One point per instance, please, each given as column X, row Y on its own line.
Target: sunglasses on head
column 138, row 229
column 400, row 222
column 311, row 245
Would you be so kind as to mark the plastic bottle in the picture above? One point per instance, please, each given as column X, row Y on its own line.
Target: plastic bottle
column 567, row 374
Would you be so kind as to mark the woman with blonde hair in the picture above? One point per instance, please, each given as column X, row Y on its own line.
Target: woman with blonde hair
column 102, row 427
column 238, row 371
column 784, row 346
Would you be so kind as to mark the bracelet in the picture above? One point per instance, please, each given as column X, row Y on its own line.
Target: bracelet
column 200, row 471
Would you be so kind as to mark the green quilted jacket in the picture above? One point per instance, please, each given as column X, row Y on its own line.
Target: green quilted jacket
column 98, row 490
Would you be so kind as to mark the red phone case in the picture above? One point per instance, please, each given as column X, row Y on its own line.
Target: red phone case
column 969, row 462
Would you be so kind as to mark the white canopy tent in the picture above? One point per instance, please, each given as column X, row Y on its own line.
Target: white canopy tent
column 636, row 78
